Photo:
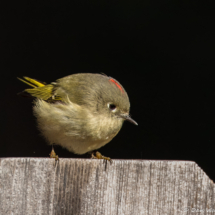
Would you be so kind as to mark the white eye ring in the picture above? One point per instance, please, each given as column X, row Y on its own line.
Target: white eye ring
column 112, row 107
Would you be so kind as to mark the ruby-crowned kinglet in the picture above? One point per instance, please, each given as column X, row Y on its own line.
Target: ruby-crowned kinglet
column 81, row 112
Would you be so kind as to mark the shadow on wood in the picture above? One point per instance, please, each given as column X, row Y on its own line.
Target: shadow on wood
column 30, row 186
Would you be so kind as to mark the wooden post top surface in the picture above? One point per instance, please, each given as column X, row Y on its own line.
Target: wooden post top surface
column 86, row 186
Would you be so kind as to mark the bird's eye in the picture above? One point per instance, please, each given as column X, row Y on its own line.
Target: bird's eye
column 112, row 107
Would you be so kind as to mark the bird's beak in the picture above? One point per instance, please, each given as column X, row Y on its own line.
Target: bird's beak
column 128, row 118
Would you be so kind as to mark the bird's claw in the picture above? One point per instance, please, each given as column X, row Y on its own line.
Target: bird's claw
column 53, row 155
column 98, row 155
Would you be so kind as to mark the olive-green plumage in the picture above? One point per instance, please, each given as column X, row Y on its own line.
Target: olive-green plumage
column 80, row 112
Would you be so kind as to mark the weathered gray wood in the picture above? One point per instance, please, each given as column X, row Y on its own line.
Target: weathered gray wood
column 30, row 186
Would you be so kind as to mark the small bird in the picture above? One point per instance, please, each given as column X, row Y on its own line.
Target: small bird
column 80, row 112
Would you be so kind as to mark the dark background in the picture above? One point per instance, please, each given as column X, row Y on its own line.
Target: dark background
column 162, row 52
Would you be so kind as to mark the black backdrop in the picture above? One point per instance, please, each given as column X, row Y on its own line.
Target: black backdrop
column 162, row 52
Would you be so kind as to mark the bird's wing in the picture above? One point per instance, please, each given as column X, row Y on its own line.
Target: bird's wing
column 40, row 90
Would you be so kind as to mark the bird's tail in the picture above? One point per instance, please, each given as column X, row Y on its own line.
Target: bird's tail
column 39, row 89
column 32, row 82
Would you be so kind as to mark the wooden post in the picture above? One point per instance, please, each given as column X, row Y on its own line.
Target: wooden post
column 31, row 186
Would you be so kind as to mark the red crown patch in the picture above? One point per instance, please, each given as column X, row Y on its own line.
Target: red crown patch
column 113, row 81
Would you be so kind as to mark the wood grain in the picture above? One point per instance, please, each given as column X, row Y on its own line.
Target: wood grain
column 84, row 186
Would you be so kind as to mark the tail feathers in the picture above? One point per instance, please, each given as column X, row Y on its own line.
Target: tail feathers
column 39, row 90
column 32, row 82
column 44, row 92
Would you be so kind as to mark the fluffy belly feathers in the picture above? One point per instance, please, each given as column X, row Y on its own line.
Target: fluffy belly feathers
column 69, row 126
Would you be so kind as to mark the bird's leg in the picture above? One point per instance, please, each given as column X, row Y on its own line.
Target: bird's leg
column 98, row 155
column 53, row 154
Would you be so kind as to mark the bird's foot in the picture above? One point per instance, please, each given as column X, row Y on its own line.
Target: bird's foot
column 53, row 155
column 98, row 155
